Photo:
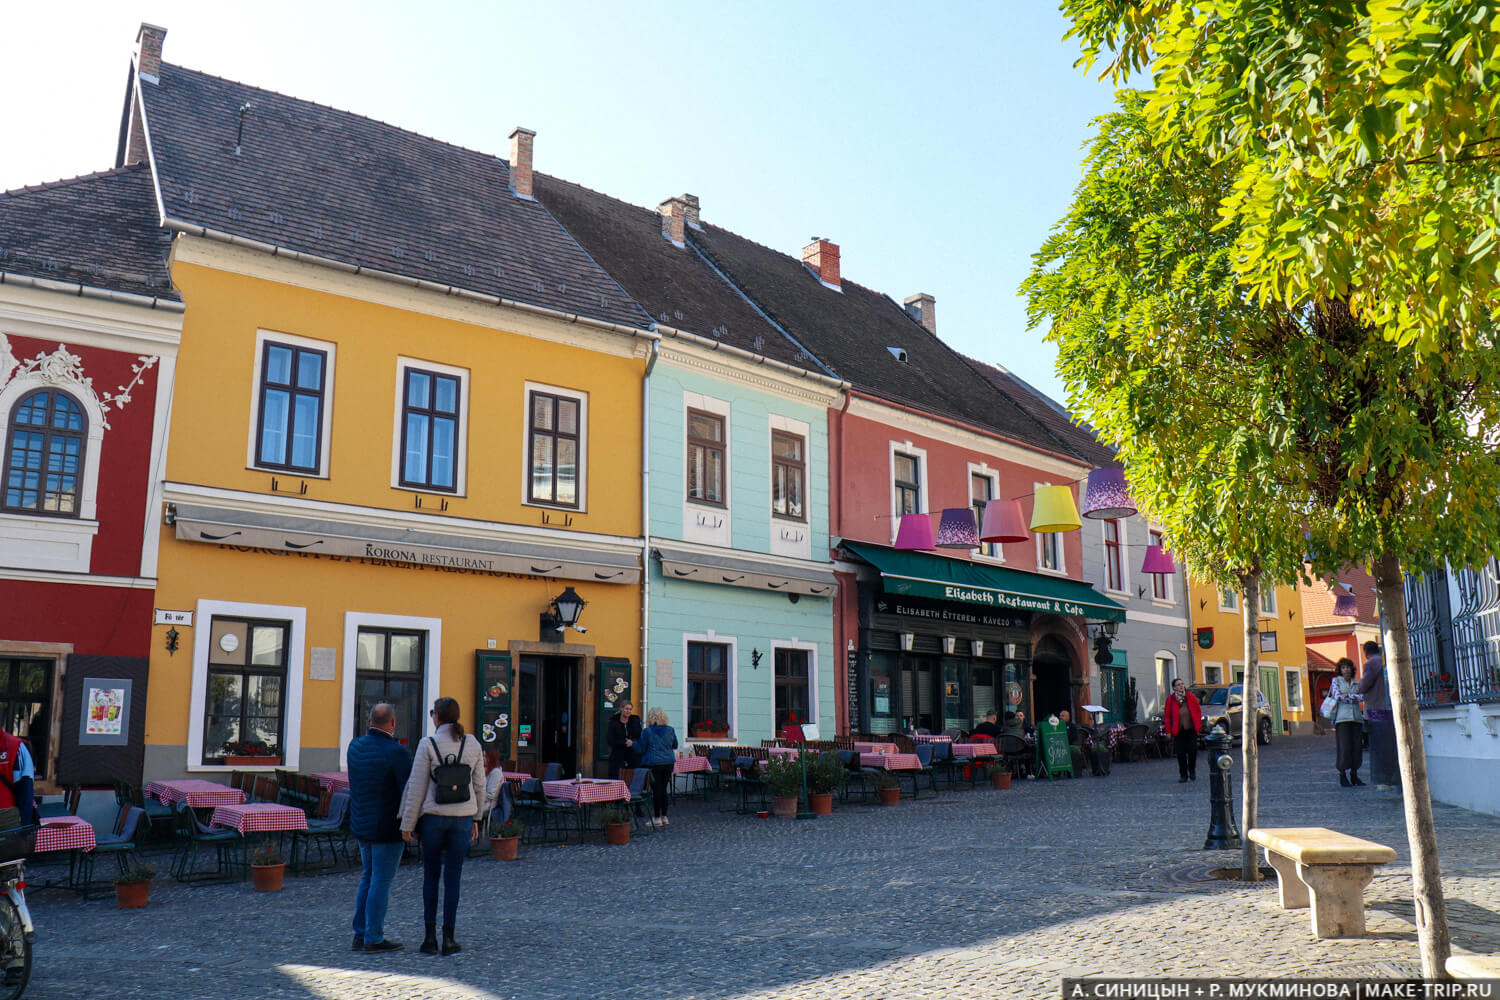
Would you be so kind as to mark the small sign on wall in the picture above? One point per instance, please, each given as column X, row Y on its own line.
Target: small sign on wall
column 664, row 672
column 323, row 664
column 165, row 617
column 106, row 712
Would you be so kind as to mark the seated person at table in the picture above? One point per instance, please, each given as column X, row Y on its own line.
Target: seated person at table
column 17, row 776
column 1016, row 725
column 988, row 729
column 494, row 783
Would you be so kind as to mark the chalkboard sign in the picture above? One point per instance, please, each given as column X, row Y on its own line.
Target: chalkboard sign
column 492, row 696
column 614, row 687
column 852, row 675
column 1053, row 755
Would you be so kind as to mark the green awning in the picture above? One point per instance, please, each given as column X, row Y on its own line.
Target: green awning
column 922, row 575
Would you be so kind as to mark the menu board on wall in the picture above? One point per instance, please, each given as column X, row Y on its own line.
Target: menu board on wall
column 852, row 673
column 493, row 680
column 614, row 688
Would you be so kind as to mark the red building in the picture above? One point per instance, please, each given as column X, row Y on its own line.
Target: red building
column 89, row 327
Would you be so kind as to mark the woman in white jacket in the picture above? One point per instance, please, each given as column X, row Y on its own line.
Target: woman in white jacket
column 447, row 827
column 1348, row 723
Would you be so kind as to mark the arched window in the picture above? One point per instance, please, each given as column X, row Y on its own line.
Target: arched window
column 44, row 454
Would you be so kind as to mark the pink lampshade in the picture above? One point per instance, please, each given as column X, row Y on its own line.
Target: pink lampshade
column 915, row 532
column 1003, row 522
column 1345, row 605
column 1158, row 560
column 957, row 530
column 1107, row 496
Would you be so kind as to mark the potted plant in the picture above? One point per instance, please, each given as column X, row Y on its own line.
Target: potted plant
column 784, row 782
column 251, row 753
column 133, row 886
column 824, row 773
column 616, row 825
column 888, row 788
column 1078, row 759
column 267, row 867
column 505, row 839
column 1000, row 773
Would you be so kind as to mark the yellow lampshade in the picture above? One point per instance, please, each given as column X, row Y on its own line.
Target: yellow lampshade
column 1055, row 510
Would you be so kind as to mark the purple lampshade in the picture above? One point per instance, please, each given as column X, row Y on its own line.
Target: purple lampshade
column 1004, row 521
column 1107, row 495
column 1158, row 560
column 957, row 530
column 915, row 532
column 1345, row 605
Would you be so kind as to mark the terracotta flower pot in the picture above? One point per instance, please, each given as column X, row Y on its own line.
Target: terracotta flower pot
column 821, row 803
column 889, row 796
column 1000, row 779
column 131, row 895
column 617, row 833
column 784, row 806
column 504, row 848
column 267, row 878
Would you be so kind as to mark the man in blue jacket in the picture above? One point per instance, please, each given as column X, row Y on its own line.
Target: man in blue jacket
column 378, row 769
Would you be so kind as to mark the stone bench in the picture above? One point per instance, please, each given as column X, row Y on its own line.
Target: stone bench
column 1473, row 966
column 1325, row 868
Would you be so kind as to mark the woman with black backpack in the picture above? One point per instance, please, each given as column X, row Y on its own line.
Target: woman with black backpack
column 446, row 794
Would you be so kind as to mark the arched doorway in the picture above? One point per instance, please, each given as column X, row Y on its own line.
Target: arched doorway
column 1052, row 676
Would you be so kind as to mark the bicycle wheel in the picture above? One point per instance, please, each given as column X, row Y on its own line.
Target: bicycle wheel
column 15, row 952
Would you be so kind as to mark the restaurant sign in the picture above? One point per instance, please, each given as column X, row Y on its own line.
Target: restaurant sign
column 1003, row 599
column 916, row 607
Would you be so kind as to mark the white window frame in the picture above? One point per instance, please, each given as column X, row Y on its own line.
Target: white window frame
column 325, row 441
column 1268, row 596
column 731, row 669
column 461, row 446
column 1062, row 550
column 296, row 671
column 911, row 451
column 1236, row 667
column 1286, row 702
column 1124, row 588
column 1234, row 599
column 431, row 670
column 1169, row 579
column 784, row 532
column 710, row 523
column 1213, row 665
column 811, row 649
column 983, row 471
column 583, row 445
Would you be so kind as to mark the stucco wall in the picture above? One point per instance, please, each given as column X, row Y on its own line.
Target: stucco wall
column 1463, row 755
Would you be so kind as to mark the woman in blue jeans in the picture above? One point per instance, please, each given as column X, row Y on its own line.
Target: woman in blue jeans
column 446, row 827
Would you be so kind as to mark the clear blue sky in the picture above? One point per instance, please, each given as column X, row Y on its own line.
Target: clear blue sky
column 936, row 143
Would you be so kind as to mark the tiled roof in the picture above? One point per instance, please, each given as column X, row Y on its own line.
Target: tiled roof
column 1317, row 601
column 348, row 188
column 1052, row 414
column 676, row 285
column 1317, row 661
column 101, row 230
column 851, row 331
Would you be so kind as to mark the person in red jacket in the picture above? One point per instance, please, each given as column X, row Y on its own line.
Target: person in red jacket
column 1183, row 721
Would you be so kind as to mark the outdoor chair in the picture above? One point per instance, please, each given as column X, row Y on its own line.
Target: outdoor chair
column 159, row 815
column 924, row 756
column 331, row 832
column 192, row 834
column 1134, row 741
column 552, row 772
column 854, row 774
column 1017, row 754
column 640, row 800
column 120, row 842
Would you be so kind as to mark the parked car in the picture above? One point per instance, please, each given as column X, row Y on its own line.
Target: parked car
column 1222, row 703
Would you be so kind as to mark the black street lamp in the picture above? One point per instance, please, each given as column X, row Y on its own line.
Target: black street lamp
column 563, row 615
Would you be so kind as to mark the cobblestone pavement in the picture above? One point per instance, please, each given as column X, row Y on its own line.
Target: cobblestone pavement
column 969, row 893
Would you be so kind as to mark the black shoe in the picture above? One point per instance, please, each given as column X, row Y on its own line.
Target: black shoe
column 1182, row 780
column 359, row 943
column 1193, row 776
column 1354, row 778
column 429, row 941
column 385, row 945
column 1343, row 779
column 450, row 946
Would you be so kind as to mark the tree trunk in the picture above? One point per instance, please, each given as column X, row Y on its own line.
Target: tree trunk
column 1421, row 834
column 1249, row 717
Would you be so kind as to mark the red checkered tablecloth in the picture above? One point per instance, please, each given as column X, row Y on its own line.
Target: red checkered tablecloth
column 589, row 790
column 792, row 752
column 687, row 765
column 974, row 750
column 199, row 794
column 932, row 738
column 64, row 833
column 874, row 748
column 890, row 761
column 334, row 781
column 259, row 817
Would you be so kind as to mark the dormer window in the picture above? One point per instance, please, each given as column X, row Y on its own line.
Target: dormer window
column 899, row 353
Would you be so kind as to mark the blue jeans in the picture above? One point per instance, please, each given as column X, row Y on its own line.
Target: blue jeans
column 445, row 839
column 374, row 895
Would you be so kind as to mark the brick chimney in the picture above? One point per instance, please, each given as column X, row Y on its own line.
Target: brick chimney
column 822, row 258
column 673, row 213
column 520, row 162
column 923, row 308
column 691, row 202
column 148, row 51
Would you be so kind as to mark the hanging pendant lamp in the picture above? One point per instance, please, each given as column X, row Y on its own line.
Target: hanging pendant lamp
column 1158, row 560
column 957, row 530
column 1345, row 605
column 915, row 533
column 1055, row 510
column 1004, row 522
column 1107, row 495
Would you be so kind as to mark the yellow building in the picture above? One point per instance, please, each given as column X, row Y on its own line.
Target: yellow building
column 397, row 440
column 1219, row 648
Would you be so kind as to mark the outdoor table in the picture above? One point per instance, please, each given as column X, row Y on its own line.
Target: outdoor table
column 974, row 750
column 891, row 761
column 932, row 738
column 334, row 781
column 64, row 833
column 516, row 775
column 259, row 817
column 791, row 752
column 864, row 748
column 198, row 793
column 586, row 793
column 689, row 764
